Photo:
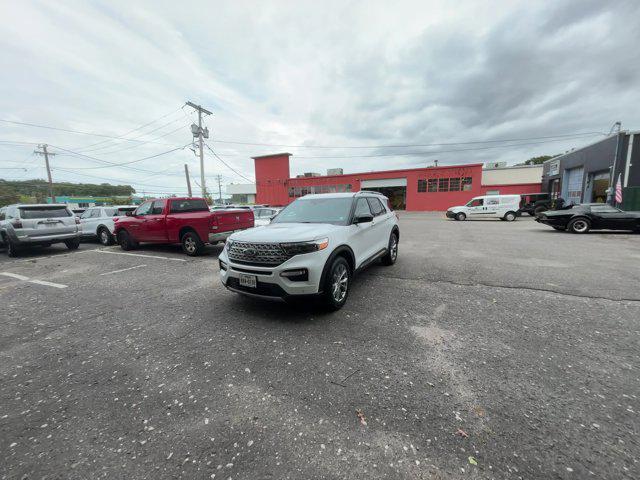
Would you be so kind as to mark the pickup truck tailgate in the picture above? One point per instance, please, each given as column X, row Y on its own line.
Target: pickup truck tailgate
column 229, row 220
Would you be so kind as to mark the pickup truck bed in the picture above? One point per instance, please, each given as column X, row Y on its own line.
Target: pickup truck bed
column 187, row 221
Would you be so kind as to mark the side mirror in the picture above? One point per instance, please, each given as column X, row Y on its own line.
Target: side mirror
column 364, row 219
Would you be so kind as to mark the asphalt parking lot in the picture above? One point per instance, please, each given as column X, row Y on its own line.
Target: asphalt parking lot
column 489, row 350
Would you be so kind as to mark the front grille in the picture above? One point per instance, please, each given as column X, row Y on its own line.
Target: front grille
column 262, row 254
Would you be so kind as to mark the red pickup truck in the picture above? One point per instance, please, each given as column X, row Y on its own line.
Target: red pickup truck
column 187, row 221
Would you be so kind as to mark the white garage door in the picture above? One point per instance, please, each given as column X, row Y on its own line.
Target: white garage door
column 383, row 182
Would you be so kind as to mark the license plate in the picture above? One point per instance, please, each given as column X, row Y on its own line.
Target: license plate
column 248, row 281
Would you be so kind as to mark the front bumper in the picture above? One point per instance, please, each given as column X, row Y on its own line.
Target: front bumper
column 269, row 282
column 450, row 214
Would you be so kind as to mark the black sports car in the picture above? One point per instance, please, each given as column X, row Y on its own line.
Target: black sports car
column 590, row 216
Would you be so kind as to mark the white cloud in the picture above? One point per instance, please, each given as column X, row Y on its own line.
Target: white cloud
column 312, row 73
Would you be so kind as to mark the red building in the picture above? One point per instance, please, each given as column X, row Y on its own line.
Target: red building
column 416, row 189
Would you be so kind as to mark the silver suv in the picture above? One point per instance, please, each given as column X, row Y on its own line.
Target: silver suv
column 24, row 225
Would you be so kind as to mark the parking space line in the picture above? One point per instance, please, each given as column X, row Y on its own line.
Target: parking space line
column 15, row 275
column 123, row 270
column 140, row 255
column 29, row 280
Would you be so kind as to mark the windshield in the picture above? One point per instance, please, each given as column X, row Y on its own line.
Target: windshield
column 44, row 212
column 316, row 210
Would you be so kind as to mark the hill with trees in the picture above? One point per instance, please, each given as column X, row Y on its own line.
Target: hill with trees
column 37, row 190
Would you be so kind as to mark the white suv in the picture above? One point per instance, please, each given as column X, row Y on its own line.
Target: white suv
column 97, row 222
column 313, row 247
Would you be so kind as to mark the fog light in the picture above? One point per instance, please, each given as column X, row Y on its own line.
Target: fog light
column 297, row 275
column 223, row 265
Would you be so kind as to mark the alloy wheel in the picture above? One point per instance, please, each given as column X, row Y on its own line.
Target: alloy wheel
column 340, row 283
column 189, row 244
column 394, row 248
column 580, row 226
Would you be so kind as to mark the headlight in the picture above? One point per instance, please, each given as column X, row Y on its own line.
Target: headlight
column 228, row 244
column 298, row 248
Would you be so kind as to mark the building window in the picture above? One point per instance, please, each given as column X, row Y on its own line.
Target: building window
column 292, row 192
column 422, row 185
column 454, row 184
column 432, row 185
column 443, row 185
column 466, row 184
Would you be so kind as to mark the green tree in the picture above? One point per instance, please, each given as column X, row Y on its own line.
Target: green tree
column 540, row 160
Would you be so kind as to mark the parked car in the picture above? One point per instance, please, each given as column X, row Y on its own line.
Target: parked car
column 504, row 207
column 313, row 247
column 263, row 216
column 97, row 222
column 590, row 216
column 535, row 203
column 24, row 225
column 187, row 221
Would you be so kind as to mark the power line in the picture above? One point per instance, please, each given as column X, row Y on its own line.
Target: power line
column 110, row 152
column 227, row 165
column 78, row 132
column 124, row 182
column 134, row 129
column 435, row 152
column 113, row 164
column 409, row 145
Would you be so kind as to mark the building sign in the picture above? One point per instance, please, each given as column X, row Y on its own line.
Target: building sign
column 554, row 168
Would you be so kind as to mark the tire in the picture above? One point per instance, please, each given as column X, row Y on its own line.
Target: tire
column 191, row 244
column 579, row 225
column 105, row 237
column 510, row 216
column 12, row 249
column 461, row 217
column 125, row 241
column 392, row 250
column 72, row 244
column 337, row 284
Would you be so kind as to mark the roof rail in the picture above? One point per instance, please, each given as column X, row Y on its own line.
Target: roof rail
column 370, row 191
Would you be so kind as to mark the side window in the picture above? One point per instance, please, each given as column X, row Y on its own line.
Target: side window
column 11, row 213
column 95, row 213
column 492, row 201
column 158, row 206
column 144, row 209
column 362, row 208
column 376, row 206
column 86, row 214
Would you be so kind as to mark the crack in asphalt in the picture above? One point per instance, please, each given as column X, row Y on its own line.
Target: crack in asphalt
column 510, row 287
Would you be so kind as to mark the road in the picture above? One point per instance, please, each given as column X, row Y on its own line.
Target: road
column 490, row 350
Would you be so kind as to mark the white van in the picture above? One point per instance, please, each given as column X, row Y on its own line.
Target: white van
column 504, row 207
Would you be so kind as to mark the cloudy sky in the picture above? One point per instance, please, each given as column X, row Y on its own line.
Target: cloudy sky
column 395, row 77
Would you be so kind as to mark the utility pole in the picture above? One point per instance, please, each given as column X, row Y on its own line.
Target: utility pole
column 46, row 161
column 219, row 178
column 186, row 173
column 201, row 133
